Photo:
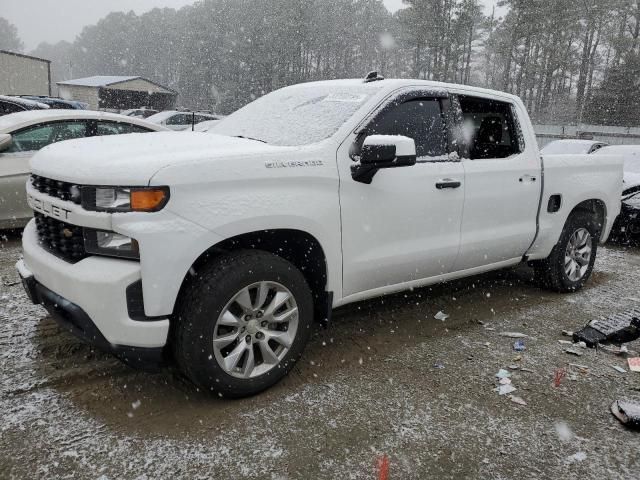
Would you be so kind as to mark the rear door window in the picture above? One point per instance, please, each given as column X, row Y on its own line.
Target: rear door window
column 489, row 129
column 118, row 128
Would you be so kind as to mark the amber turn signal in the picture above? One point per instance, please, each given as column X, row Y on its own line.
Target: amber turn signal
column 149, row 200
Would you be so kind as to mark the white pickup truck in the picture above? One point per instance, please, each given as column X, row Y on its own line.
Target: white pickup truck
column 219, row 250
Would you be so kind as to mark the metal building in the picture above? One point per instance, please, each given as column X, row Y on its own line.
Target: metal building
column 24, row 75
column 118, row 93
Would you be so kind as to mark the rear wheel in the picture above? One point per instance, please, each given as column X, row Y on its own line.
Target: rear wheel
column 571, row 261
column 243, row 324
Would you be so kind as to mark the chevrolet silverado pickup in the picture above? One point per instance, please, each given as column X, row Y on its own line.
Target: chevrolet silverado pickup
column 217, row 251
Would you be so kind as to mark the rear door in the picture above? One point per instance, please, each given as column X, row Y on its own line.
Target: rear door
column 404, row 226
column 502, row 173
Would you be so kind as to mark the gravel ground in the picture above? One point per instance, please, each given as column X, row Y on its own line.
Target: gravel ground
column 368, row 386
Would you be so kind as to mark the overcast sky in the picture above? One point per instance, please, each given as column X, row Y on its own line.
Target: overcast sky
column 51, row 21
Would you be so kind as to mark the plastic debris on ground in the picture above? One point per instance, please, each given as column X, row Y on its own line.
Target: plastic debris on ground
column 513, row 334
column 519, row 346
column 517, row 400
column 618, row 369
column 505, row 381
column 505, row 389
column 627, row 411
column 441, row 316
column 634, row 364
column 573, row 351
column 558, row 375
column 621, row 327
column 438, row 365
column 502, row 373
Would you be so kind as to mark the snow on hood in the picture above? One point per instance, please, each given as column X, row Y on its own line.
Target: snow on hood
column 134, row 158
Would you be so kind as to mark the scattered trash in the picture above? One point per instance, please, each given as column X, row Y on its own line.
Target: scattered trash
column 565, row 342
column 581, row 344
column 627, row 411
column 441, row 316
column 618, row 328
column 577, row 457
column 502, row 373
column 567, row 333
column 634, row 364
column 517, row 358
column 383, row 467
column 505, row 381
column 505, row 389
column 513, row 367
column 573, row 351
column 523, row 369
column 438, row 364
column 519, row 346
column 513, row 334
column 618, row 369
column 517, row 400
column 623, row 350
column 563, row 431
column 558, row 376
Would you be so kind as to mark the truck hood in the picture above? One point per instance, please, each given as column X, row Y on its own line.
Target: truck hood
column 134, row 158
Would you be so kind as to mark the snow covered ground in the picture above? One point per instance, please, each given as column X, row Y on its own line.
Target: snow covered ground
column 372, row 384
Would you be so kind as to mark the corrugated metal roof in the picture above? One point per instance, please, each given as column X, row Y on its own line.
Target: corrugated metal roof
column 98, row 80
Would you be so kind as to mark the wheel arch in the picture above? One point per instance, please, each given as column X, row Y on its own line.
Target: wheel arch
column 298, row 247
column 595, row 207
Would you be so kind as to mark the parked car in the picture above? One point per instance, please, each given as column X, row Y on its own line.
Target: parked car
column 139, row 112
column 24, row 133
column 571, row 146
column 59, row 103
column 177, row 120
column 627, row 226
column 16, row 104
column 206, row 125
column 311, row 197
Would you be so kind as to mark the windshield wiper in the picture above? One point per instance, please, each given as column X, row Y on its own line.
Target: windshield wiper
column 249, row 138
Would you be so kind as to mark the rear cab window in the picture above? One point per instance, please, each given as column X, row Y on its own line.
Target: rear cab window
column 487, row 128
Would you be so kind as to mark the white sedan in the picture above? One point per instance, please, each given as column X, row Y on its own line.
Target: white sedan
column 24, row 133
column 631, row 155
column 178, row 120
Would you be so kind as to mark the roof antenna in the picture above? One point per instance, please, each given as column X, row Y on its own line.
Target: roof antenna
column 373, row 77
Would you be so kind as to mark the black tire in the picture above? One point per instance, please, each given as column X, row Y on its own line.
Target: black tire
column 203, row 301
column 550, row 272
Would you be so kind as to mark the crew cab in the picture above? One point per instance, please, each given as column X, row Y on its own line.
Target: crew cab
column 219, row 250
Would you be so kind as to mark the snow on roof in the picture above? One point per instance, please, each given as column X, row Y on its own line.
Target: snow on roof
column 24, row 101
column 14, row 121
column 98, row 80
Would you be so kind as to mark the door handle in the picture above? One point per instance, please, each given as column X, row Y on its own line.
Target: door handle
column 530, row 178
column 447, row 183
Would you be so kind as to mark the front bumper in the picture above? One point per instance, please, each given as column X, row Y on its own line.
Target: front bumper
column 92, row 290
column 72, row 318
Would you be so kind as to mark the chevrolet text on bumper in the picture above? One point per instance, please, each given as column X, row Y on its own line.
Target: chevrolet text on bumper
column 218, row 250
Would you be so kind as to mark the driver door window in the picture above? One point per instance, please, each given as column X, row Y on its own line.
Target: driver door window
column 37, row 137
column 420, row 119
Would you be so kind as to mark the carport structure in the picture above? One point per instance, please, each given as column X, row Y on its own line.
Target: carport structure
column 107, row 92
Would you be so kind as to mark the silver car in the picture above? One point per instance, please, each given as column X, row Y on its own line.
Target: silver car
column 24, row 133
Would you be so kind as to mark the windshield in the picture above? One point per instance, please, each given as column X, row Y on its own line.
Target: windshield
column 298, row 115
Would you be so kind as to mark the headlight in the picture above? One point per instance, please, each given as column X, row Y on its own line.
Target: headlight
column 101, row 242
column 125, row 199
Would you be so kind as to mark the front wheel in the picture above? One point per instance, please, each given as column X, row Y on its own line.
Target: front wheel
column 243, row 323
column 571, row 261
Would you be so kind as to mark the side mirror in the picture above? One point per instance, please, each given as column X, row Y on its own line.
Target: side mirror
column 383, row 151
column 5, row 141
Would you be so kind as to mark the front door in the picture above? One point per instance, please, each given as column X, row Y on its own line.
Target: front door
column 405, row 225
